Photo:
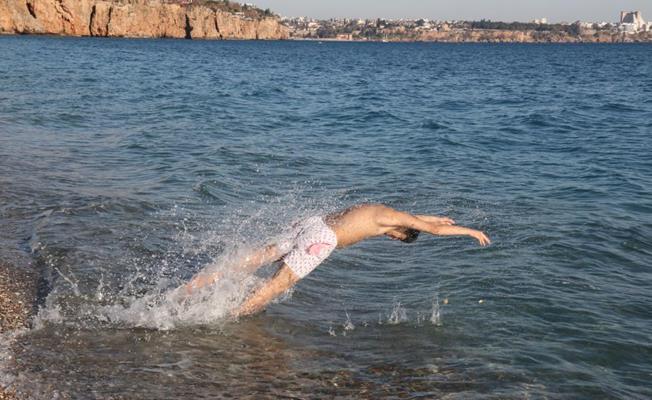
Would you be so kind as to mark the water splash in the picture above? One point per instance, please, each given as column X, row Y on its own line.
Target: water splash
column 138, row 290
column 398, row 314
column 99, row 292
column 168, row 311
column 435, row 315
column 73, row 282
column 348, row 324
column 161, row 307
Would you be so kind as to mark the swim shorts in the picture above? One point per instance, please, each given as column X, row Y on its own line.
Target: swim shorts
column 308, row 245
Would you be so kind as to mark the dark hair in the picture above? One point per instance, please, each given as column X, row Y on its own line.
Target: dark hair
column 411, row 235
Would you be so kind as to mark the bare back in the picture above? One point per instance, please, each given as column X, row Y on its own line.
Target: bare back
column 358, row 223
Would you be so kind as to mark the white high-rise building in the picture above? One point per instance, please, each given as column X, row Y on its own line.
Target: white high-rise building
column 632, row 21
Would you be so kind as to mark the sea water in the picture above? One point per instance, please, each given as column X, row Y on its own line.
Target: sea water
column 126, row 166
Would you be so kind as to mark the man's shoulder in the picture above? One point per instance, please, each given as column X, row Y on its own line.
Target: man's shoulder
column 373, row 207
column 366, row 214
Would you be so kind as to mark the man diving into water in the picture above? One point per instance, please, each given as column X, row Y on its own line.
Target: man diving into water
column 314, row 239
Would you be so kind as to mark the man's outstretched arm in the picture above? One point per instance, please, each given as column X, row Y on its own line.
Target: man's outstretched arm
column 280, row 282
column 439, row 226
column 448, row 230
column 436, row 219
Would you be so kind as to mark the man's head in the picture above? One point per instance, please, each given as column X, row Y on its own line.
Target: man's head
column 405, row 235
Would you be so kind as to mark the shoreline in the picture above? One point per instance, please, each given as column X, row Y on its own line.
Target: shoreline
column 335, row 40
column 17, row 295
column 624, row 40
column 493, row 37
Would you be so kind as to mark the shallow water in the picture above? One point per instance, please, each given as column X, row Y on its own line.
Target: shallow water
column 128, row 165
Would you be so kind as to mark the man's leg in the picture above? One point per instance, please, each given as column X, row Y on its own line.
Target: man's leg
column 249, row 263
column 280, row 282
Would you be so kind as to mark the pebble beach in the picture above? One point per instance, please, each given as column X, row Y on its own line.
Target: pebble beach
column 17, row 293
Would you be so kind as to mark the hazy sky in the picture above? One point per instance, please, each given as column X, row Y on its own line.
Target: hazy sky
column 498, row 10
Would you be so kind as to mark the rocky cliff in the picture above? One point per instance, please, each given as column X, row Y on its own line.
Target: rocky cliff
column 132, row 18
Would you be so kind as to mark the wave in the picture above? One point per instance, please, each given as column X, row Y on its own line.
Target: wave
column 620, row 107
column 432, row 125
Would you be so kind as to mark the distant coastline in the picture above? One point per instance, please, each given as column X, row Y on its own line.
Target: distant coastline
column 423, row 30
column 487, row 37
column 224, row 20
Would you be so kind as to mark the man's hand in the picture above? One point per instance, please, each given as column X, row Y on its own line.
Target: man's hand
column 480, row 237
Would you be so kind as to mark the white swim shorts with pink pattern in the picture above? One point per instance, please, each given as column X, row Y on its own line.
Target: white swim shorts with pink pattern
column 310, row 243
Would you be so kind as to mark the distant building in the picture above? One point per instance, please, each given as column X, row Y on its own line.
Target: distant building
column 632, row 21
column 540, row 21
column 627, row 28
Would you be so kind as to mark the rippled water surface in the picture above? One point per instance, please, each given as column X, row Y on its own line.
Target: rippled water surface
column 128, row 165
